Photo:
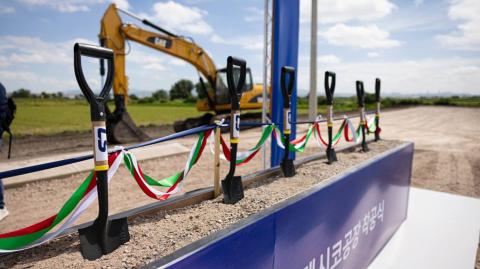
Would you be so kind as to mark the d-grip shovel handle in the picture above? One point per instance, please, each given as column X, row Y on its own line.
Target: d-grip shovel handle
column 377, row 89
column 360, row 93
column 97, row 103
column 236, row 90
column 287, row 90
column 330, row 79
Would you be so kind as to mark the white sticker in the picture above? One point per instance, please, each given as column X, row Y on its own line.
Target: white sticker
column 236, row 125
column 378, row 107
column 288, row 119
column 330, row 114
column 100, row 138
column 362, row 113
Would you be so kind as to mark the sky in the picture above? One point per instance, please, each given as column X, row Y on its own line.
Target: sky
column 416, row 47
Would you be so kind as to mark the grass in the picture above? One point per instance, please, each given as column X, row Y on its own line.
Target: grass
column 49, row 116
column 40, row 116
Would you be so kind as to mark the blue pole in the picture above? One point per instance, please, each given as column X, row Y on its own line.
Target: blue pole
column 285, row 52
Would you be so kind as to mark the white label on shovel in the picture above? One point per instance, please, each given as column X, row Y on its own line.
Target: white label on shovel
column 236, row 125
column 100, row 137
column 288, row 119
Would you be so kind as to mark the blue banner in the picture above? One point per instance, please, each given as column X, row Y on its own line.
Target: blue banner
column 285, row 52
column 342, row 223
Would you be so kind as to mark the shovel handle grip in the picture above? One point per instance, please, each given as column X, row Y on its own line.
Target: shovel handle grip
column 236, row 90
column 377, row 89
column 287, row 90
column 80, row 50
column 330, row 79
column 360, row 93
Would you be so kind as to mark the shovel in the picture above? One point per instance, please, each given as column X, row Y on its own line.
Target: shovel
column 232, row 185
column 361, row 105
column 329, row 91
column 377, row 112
column 104, row 235
column 287, row 166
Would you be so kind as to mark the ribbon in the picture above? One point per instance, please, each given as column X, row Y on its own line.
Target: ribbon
column 78, row 202
column 336, row 137
column 246, row 156
column 175, row 182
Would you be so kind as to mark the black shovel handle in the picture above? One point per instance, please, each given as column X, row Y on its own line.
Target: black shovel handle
column 360, row 93
column 236, row 90
column 330, row 79
column 95, row 52
column 287, row 90
column 377, row 89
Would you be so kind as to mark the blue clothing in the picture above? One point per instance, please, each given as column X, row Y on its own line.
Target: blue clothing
column 3, row 106
column 2, row 204
column 3, row 114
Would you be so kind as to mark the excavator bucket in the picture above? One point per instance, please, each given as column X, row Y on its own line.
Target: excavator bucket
column 120, row 126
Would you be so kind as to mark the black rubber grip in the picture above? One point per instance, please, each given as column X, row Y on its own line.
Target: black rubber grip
column 330, row 79
column 360, row 93
column 236, row 90
column 96, row 52
column 377, row 89
column 287, row 90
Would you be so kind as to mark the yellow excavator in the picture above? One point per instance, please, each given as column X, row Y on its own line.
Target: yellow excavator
column 114, row 34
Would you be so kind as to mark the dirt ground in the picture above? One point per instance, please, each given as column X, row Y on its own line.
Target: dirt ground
column 160, row 234
column 446, row 159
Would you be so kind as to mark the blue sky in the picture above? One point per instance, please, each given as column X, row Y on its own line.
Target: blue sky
column 416, row 46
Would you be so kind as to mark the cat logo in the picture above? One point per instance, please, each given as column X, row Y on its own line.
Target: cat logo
column 160, row 41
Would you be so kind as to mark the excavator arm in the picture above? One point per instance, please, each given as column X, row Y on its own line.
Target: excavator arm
column 114, row 33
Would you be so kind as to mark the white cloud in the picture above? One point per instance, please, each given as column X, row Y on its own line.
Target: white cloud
column 254, row 14
column 329, row 59
column 333, row 11
column 418, row 2
column 147, row 61
column 455, row 75
column 177, row 62
column 6, row 9
column 251, row 42
column 33, row 50
column 373, row 54
column 122, row 4
column 177, row 17
column 70, row 6
column 367, row 37
column 467, row 36
column 67, row 6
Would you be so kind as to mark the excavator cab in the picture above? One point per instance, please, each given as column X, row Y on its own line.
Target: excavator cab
column 222, row 96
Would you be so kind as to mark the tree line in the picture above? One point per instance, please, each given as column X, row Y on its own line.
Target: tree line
column 180, row 90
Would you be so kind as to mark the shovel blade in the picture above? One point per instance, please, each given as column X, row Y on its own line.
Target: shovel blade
column 288, row 168
column 365, row 147
column 232, row 189
column 93, row 244
column 331, row 155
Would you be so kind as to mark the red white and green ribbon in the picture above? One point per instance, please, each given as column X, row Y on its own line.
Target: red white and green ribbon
column 86, row 194
column 175, row 182
column 371, row 125
column 335, row 139
column 350, row 128
column 246, row 156
column 80, row 200
column 300, row 143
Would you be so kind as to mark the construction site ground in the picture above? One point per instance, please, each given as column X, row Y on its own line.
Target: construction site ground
column 446, row 159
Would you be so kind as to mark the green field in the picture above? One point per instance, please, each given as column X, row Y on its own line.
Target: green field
column 40, row 116
column 48, row 116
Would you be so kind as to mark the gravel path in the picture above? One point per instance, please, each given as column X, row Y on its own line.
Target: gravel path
column 160, row 234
